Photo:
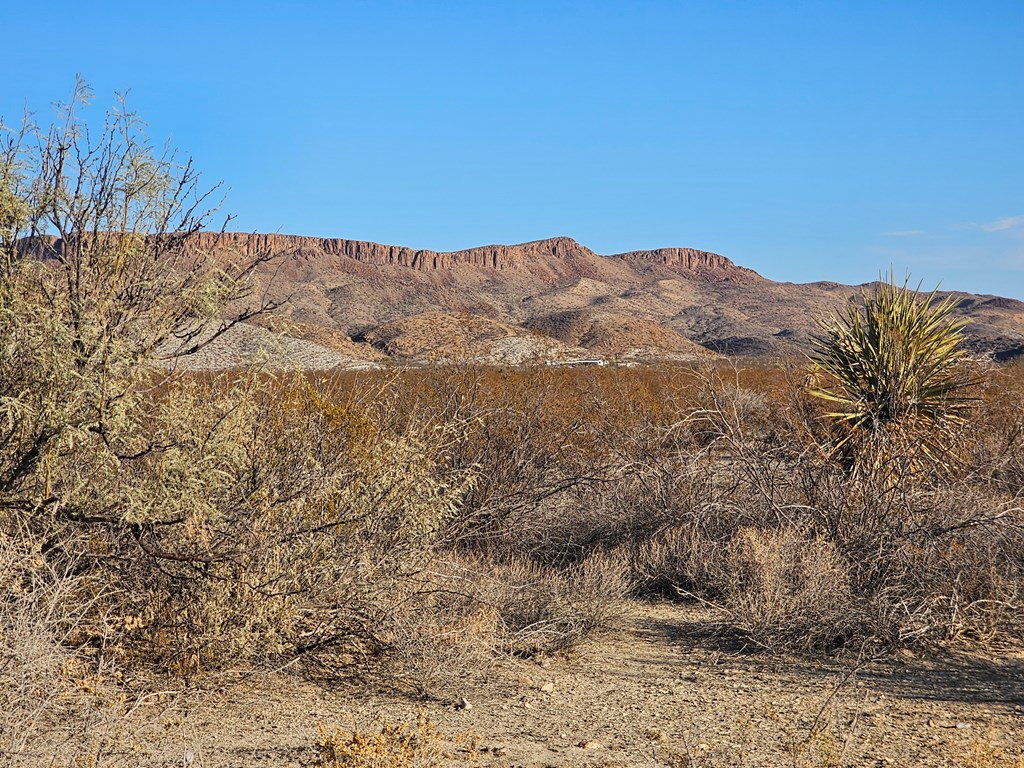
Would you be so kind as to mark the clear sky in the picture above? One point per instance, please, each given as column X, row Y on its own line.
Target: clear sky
column 806, row 140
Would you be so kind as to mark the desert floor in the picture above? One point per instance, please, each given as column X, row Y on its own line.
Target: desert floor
column 667, row 689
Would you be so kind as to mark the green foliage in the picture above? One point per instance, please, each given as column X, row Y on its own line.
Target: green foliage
column 102, row 286
column 241, row 517
column 894, row 372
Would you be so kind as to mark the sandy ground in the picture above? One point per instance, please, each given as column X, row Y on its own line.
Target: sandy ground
column 665, row 690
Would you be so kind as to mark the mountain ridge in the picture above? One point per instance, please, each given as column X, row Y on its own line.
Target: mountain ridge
column 664, row 303
column 690, row 261
column 551, row 298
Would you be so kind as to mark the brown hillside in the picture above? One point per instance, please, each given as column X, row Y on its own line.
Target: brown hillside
column 618, row 335
column 460, row 336
column 666, row 303
column 669, row 301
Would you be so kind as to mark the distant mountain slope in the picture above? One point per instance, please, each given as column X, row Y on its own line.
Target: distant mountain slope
column 678, row 303
column 556, row 256
column 550, row 299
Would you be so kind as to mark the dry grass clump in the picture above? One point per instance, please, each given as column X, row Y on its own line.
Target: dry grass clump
column 57, row 693
column 470, row 607
column 529, row 608
column 414, row 744
column 788, row 590
column 542, row 610
column 33, row 659
column 987, row 750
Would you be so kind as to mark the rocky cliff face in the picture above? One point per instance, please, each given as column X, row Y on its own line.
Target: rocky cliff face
column 689, row 262
column 652, row 299
column 490, row 256
column 694, row 263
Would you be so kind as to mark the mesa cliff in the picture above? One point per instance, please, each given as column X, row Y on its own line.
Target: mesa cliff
column 687, row 261
column 544, row 299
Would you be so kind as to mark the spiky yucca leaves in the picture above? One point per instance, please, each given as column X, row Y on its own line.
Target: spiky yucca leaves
column 894, row 372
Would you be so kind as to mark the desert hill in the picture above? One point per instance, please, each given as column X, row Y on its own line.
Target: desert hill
column 356, row 303
column 547, row 299
column 556, row 298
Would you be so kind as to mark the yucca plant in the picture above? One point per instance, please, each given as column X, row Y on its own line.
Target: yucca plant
column 895, row 373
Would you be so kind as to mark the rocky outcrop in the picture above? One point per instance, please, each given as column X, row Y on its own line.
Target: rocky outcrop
column 489, row 256
column 691, row 262
column 686, row 261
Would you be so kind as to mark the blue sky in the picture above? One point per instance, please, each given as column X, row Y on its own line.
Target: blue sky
column 806, row 140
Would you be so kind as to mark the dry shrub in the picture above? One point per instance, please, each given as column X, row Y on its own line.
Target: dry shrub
column 998, row 431
column 531, row 441
column 266, row 519
column 475, row 607
column 329, row 515
column 679, row 558
column 549, row 445
column 32, row 658
column 787, row 589
column 433, row 652
column 413, row 744
column 569, row 462
column 948, row 569
column 529, row 608
column 54, row 696
column 928, row 556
